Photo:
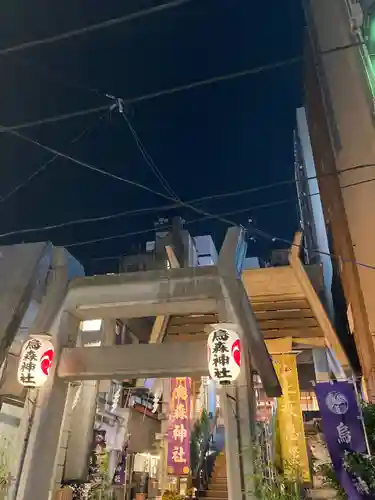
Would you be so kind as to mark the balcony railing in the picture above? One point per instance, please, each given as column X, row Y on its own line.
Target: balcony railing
column 362, row 23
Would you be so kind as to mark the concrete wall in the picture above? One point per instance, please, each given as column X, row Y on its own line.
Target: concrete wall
column 335, row 121
column 206, row 251
column 142, row 430
column 350, row 111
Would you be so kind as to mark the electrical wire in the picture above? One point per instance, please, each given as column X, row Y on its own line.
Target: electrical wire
column 274, row 238
column 150, row 162
column 161, row 208
column 221, row 218
column 114, row 176
column 179, row 88
column 94, row 27
column 251, row 229
column 168, row 226
column 58, row 118
column 44, row 166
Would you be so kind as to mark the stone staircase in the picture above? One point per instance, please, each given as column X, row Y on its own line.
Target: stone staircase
column 218, row 488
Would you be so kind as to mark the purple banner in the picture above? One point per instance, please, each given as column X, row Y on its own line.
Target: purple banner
column 119, row 476
column 179, row 427
column 344, row 432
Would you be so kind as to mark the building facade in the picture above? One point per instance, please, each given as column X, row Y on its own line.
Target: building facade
column 339, row 93
column 317, row 238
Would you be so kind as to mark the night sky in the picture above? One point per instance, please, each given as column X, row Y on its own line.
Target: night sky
column 224, row 137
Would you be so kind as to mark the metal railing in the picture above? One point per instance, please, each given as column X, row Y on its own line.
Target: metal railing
column 204, row 468
column 363, row 49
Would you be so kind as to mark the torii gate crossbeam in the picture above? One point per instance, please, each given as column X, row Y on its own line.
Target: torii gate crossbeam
column 134, row 361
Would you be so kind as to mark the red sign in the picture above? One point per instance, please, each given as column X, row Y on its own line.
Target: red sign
column 179, row 427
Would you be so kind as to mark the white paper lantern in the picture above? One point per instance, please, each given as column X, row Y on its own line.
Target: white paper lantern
column 224, row 355
column 35, row 362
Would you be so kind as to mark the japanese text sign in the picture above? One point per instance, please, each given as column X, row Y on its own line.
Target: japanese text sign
column 290, row 420
column 179, row 427
column 119, row 476
column 224, row 355
column 343, row 429
column 35, row 362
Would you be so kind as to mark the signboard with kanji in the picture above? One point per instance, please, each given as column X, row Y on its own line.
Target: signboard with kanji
column 224, row 355
column 35, row 362
column 179, row 427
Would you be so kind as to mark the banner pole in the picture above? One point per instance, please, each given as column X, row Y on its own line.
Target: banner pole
column 359, row 401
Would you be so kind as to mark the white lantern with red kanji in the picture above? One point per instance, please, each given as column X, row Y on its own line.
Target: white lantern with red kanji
column 35, row 362
column 224, row 355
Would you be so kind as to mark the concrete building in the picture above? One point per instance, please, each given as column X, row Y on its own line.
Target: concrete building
column 317, row 247
column 339, row 86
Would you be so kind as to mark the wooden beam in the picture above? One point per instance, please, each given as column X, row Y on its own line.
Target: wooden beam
column 314, row 302
column 280, row 305
column 196, row 337
column 284, row 324
column 158, row 329
column 286, row 314
column 186, row 329
column 300, row 332
column 271, row 282
column 315, row 342
column 201, row 319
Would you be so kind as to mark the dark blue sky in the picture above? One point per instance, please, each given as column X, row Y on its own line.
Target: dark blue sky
column 224, row 137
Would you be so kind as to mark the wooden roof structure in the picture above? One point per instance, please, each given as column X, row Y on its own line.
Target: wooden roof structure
column 286, row 306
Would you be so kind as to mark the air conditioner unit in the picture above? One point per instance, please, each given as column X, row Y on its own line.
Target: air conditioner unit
column 356, row 17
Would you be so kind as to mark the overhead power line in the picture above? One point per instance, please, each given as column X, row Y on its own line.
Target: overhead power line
column 221, row 218
column 219, row 196
column 114, row 176
column 94, row 27
column 274, row 238
column 176, row 89
column 201, row 219
column 150, row 162
column 58, row 118
column 167, row 226
column 44, row 166
column 252, row 229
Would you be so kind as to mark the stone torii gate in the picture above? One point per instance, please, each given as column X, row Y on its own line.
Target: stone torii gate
column 214, row 289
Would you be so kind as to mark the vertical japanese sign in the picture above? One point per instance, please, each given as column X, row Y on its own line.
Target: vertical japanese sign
column 119, row 476
column 179, row 427
column 343, row 430
column 290, row 420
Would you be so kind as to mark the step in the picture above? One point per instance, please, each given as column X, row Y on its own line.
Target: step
column 218, row 498
column 216, row 494
column 322, row 494
column 218, row 485
column 218, row 479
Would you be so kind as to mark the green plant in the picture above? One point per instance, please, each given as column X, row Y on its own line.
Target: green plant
column 198, row 437
column 330, row 480
column 170, row 495
column 103, row 489
column 360, row 465
column 276, row 486
column 368, row 411
column 5, row 462
column 279, row 489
